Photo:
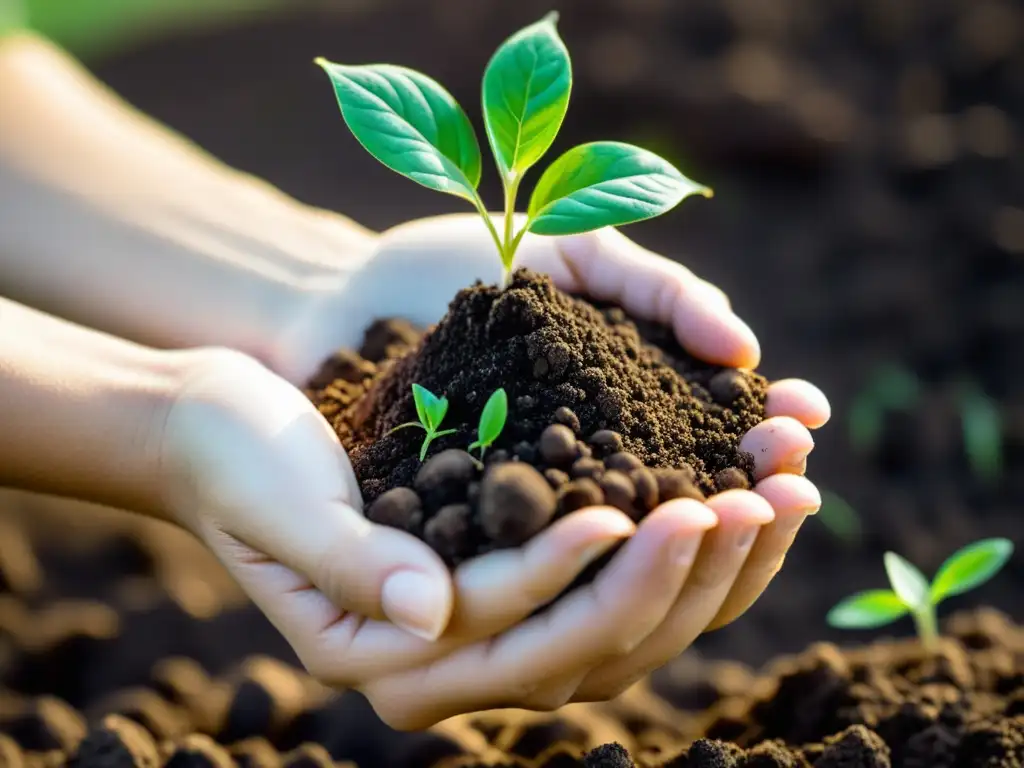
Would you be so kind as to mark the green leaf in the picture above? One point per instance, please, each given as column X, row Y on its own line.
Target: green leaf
column 492, row 419
column 605, row 183
column 971, row 567
column 867, row 610
column 410, row 123
column 526, row 95
column 430, row 408
column 907, row 582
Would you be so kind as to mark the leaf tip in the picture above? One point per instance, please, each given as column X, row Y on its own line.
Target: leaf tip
column 551, row 18
column 707, row 192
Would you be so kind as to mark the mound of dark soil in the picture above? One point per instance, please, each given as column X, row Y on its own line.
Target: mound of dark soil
column 600, row 411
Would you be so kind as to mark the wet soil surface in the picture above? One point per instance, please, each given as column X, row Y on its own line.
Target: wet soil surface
column 598, row 414
column 122, row 643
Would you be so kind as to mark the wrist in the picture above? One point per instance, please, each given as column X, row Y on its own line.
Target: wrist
column 83, row 412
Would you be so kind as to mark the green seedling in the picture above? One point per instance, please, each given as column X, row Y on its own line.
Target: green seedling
column 492, row 421
column 412, row 125
column 982, row 433
column 431, row 410
column 891, row 388
column 912, row 594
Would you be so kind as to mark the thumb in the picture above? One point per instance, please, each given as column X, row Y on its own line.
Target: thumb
column 373, row 570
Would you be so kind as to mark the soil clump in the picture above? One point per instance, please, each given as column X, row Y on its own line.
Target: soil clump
column 602, row 409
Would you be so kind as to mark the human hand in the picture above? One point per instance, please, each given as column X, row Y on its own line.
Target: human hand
column 435, row 258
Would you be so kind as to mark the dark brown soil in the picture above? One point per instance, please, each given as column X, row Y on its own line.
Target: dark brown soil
column 597, row 414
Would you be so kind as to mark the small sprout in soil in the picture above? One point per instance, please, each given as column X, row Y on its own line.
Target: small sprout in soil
column 982, row 433
column 430, row 409
column 840, row 518
column 412, row 125
column 911, row 593
column 492, row 421
column 892, row 388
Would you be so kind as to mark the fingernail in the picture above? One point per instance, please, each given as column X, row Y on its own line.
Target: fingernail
column 684, row 548
column 415, row 602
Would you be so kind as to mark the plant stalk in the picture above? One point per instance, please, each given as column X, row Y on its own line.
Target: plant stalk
column 927, row 627
column 509, row 242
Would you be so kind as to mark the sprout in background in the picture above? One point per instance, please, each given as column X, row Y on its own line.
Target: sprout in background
column 891, row 388
column 912, row 594
column 982, row 433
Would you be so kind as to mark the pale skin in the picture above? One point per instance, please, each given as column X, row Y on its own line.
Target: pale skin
column 194, row 299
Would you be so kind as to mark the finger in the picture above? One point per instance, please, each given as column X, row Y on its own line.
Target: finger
column 800, row 400
column 371, row 570
column 793, row 498
column 607, row 617
column 778, row 444
column 607, row 265
column 493, row 593
column 741, row 515
column 502, row 588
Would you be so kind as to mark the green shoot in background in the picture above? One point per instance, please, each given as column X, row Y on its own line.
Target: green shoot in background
column 411, row 124
column 891, row 388
column 840, row 518
column 911, row 593
column 492, row 421
column 982, row 433
column 431, row 410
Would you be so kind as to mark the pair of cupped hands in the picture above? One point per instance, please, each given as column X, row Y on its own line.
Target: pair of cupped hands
column 263, row 480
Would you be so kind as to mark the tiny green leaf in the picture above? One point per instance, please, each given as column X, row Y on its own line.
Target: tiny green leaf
column 422, row 396
column 525, row 95
column 410, row 123
column 605, row 183
column 867, row 610
column 907, row 582
column 971, row 567
column 492, row 419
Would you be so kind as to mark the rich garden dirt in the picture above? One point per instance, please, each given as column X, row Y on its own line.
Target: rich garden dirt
column 869, row 209
column 597, row 415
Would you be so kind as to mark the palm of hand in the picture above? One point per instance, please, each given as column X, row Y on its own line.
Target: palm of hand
column 283, row 516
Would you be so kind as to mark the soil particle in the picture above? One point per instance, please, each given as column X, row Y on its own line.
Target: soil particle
column 565, row 416
column 558, row 445
column 731, row 478
column 646, row 486
column 399, row 508
column 444, row 477
column 622, row 461
column 448, row 532
column 619, row 492
column 605, row 442
column 579, row 494
column 676, row 484
column 516, row 502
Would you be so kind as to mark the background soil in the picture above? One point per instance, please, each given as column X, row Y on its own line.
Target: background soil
column 866, row 158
